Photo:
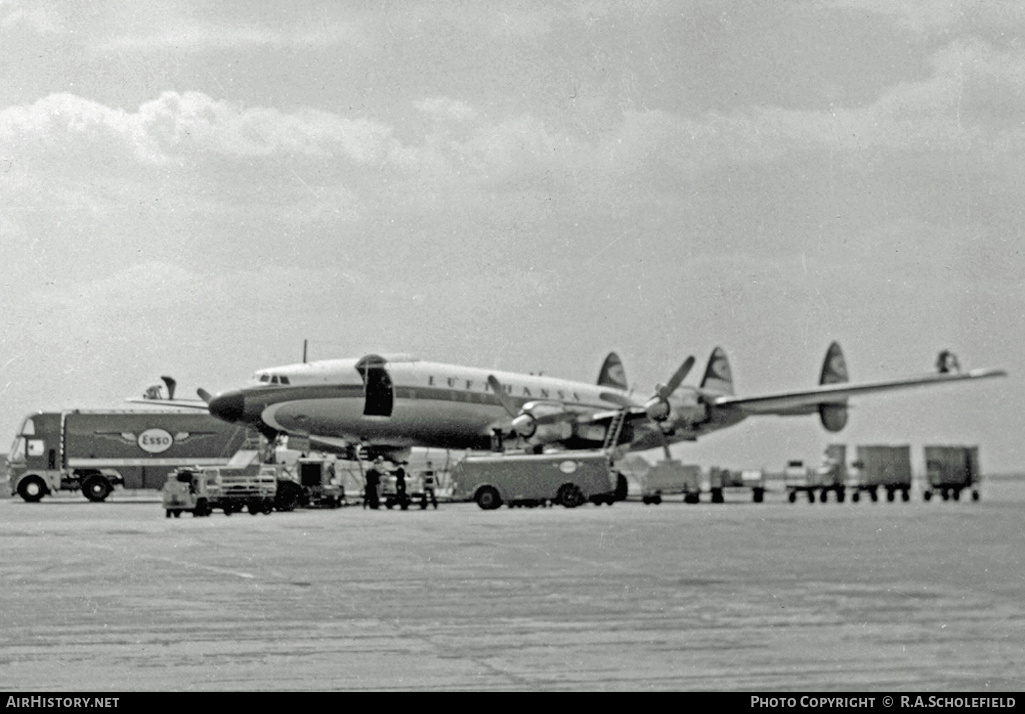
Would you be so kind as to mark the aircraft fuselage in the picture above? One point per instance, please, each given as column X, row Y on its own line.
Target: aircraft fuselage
column 406, row 402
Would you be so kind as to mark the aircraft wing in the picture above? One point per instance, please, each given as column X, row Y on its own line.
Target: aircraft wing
column 807, row 401
column 173, row 403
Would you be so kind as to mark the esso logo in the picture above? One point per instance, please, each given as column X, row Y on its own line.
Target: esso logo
column 568, row 467
column 155, row 441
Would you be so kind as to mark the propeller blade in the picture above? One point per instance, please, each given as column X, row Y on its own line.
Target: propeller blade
column 503, row 397
column 665, row 390
column 620, row 400
column 204, row 395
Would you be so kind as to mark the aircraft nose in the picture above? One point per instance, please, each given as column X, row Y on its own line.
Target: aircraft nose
column 229, row 406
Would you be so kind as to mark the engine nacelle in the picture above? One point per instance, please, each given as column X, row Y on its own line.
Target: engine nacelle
column 658, row 409
column 833, row 416
column 543, row 423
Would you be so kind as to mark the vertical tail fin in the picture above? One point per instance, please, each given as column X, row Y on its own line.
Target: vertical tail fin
column 612, row 373
column 834, row 367
column 718, row 376
column 834, row 371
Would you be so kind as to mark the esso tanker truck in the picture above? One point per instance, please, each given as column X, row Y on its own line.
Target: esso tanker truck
column 95, row 450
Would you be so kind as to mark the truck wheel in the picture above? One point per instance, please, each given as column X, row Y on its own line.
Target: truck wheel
column 717, row 496
column 957, row 494
column 975, row 495
column 32, row 488
column 856, row 496
column 167, row 513
column 177, row 513
column 841, row 495
column 823, row 495
column 96, row 489
column 905, row 495
column 254, row 509
column 758, row 496
column 811, row 497
column 570, row 495
column 287, row 496
column 874, row 495
column 889, row 494
column 927, row 495
column 487, row 498
column 945, row 494
column 622, row 487
column 792, row 496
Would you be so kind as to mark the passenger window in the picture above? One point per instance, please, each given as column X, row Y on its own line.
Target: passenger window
column 284, row 380
column 274, row 379
column 28, row 428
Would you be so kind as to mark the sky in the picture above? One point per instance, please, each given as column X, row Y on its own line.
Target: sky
column 194, row 189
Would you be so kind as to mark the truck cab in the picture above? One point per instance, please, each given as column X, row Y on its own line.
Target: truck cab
column 191, row 490
column 38, row 465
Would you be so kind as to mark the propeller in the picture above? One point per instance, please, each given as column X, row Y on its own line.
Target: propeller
column 204, row 395
column 524, row 420
column 502, row 396
column 657, row 407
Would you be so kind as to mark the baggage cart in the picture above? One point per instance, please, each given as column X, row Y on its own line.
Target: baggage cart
column 950, row 470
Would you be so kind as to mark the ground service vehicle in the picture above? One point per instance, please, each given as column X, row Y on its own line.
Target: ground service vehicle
column 571, row 478
column 831, row 475
column 721, row 479
column 951, row 469
column 94, row 450
column 200, row 491
column 881, row 467
column 321, row 488
column 668, row 477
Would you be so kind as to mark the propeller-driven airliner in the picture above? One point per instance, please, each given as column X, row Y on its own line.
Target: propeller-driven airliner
column 386, row 404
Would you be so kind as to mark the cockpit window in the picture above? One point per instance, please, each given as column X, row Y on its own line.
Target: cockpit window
column 264, row 377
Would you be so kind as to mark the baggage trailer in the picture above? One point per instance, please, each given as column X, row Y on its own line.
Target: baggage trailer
column 571, row 478
column 199, row 491
column 96, row 450
column 669, row 477
column 831, row 475
column 881, row 467
column 951, row 469
column 721, row 479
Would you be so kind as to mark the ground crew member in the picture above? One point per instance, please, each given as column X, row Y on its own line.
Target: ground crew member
column 429, row 486
column 947, row 362
column 400, row 487
column 370, row 496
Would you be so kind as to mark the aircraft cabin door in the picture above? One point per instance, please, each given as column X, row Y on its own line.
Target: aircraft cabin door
column 378, row 393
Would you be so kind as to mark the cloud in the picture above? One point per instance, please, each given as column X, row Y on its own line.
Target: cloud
column 189, row 123
column 36, row 18
column 187, row 36
column 943, row 16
